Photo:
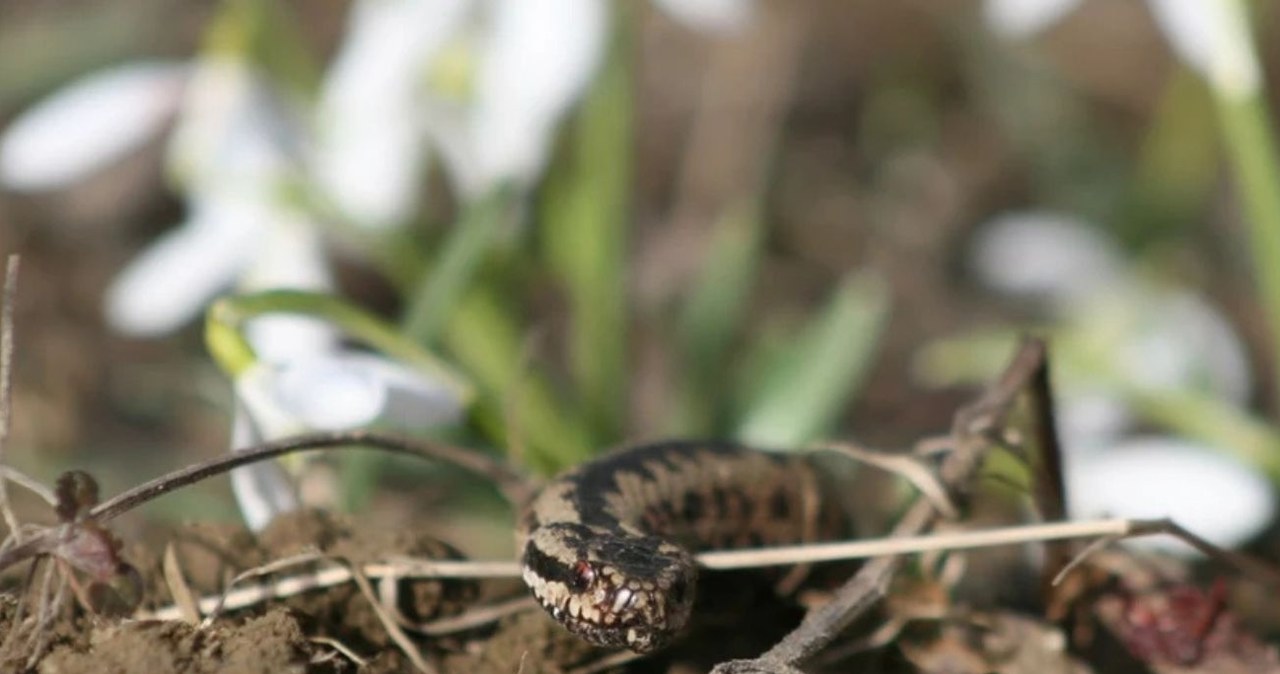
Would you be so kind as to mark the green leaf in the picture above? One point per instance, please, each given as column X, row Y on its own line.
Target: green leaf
column 1246, row 128
column 584, row 223
column 802, row 397
column 518, row 407
column 469, row 242
column 712, row 317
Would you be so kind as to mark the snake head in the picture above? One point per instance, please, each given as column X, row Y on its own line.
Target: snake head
column 610, row 587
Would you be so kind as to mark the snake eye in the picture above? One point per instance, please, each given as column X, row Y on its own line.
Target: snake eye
column 583, row 575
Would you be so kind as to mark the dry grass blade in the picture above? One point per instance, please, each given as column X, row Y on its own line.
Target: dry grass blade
column 905, row 466
column 388, row 621
column 29, row 483
column 898, row 545
column 259, row 593
column 970, row 429
column 15, row 625
column 234, row 599
column 178, row 587
column 48, row 613
column 475, row 617
column 447, row 568
column 606, row 663
column 342, row 648
column 513, row 485
column 1262, row 572
column 42, row 617
column 6, row 384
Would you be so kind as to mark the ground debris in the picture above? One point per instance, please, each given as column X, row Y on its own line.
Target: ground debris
column 271, row 644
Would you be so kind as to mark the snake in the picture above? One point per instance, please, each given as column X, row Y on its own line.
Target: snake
column 607, row 548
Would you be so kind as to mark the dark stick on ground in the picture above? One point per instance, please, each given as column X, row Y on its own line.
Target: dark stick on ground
column 514, row 486
column 6, row 383
column 970, row 436
column 1050, row 490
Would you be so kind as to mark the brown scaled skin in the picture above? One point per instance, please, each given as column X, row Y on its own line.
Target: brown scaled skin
column 605, row 548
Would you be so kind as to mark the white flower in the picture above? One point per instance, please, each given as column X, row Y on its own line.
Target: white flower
column 1201, row 489
column 1024, row 18
column 711, row 15
column 233, row 149
column 89, row 124
column 487, row 81
column 1177, row 341
column 324, row 391
column 1045, row 255
column 1211, row 36
column 1114, row 326
column 370, row 154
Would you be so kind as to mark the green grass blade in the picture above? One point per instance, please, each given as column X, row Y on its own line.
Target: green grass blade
column 802, row 398
column 712, row 317
column 517, row 405
column 460, row 259
column 584, row 224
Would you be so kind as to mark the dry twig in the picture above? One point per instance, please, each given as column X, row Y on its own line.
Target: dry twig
column 970, row 431
column 6, row 385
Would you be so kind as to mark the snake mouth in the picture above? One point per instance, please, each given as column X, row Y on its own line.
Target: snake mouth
column 643, row 620
column 612, row 622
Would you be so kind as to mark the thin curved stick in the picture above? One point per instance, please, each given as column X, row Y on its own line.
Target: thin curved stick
column 514, row 486
column 6, row 383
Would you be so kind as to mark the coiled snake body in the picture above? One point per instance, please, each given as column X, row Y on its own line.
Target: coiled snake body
column 606, row 547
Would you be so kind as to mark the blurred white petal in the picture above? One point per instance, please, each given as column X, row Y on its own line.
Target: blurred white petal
column 1208, row 492
column 710, row 15
column 289, row 256
column 279, row 338
column 233, row 132
column 373, row 165
column 1024, row 18
column 1212, row 36
column 539, row 59
column 1179, row 342
column 327, row 393
column 170, row 282
column 89, row 124
column 370, row 153
column 413, row 400
column 1045, row 255
column 1090, row 418
column 264, row 489
column 347, row 390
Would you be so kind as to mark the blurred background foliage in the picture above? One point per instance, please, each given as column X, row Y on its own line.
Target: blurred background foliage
column 796, row 221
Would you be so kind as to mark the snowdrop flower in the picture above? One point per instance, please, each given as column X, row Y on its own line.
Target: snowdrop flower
column 1154, row 338
column 233, row 150
column 1045, row 255
column 326, row 391
column 89, row 124
column 1211, row 36
column 370, row 155
column 482, row 83
column 486, row 80
column 1161, row 338
column 1024, row 18
column 1204, row 490
column 717, row 16
column 305, row 380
